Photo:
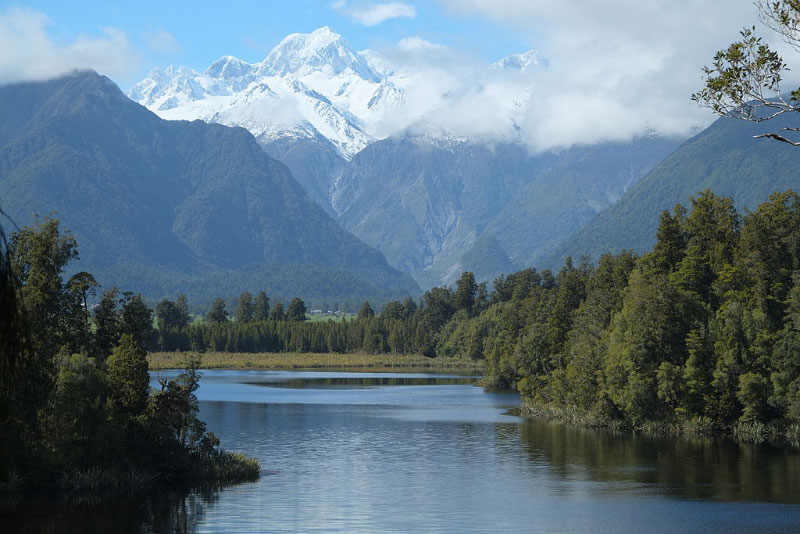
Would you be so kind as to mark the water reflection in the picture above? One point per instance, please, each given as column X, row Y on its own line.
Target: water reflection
column 347, row 453
column 363, row 382
column 166, row 512
column 687, row 467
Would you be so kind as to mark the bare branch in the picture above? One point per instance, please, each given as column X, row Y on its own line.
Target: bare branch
column 777, row 137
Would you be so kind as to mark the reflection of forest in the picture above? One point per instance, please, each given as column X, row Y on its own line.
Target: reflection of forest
column 365, row 382
column 163, row 513
column 689, row 467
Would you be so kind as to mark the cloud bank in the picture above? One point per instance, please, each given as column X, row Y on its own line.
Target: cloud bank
column 371, row 13
column 616, row 69
column 27, row 52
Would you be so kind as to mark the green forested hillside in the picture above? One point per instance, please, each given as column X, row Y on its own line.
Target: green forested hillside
column 584, row 181
column 172, row 207
column 724, row 158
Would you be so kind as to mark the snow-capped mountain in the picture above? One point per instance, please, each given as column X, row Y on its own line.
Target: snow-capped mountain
column 521, row 62
column 312, row 86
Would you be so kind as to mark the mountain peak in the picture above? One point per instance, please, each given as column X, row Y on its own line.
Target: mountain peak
column 322, row 50
column 521, row 62
column 228, row 67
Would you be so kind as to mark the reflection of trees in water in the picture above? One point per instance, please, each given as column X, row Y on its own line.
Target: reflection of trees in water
column 163, row 513
column 365, row 382
column 180, row 513
column 681, row 466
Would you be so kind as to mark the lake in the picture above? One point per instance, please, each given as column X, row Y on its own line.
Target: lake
column 401, row 452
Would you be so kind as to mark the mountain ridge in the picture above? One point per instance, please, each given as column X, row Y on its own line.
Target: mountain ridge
column 175, row 205
column 723, row 158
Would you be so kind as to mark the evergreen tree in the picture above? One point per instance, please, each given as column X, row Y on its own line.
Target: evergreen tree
column 183, row 307
column 365, row 313
column 244, row 308
column 296, row 310
column 466, row 288
column 169, row 316
column 261, row 309
column 217, row 313
column 107, row 324
column 277, row 313
column 136, row 319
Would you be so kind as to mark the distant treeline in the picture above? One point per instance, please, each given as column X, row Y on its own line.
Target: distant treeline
column 705, row 327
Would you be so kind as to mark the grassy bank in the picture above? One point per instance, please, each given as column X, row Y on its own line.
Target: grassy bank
column 778, row 434
column 292, row 360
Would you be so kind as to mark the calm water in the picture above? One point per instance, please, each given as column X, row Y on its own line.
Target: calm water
column 357, row 452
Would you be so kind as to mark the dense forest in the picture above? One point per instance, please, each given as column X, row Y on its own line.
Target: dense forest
column 701, row 332
column 78, row 418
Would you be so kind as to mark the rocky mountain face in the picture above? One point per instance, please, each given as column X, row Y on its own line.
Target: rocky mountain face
column 436, row 209
column 164, row 207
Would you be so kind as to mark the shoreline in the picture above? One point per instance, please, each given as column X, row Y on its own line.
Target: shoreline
column 786, row 435
column 160, row 361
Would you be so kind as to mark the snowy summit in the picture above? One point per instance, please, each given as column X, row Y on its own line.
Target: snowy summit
column 309, row 86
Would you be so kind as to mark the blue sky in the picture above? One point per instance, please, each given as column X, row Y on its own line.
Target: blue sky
column 195, row 33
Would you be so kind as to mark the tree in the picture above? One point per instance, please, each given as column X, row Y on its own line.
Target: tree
column 38, row 255
column 244, row 308
column 217, row 313
column 366, row 312
column 261, row 308
column 136, row 319
column 394, row 310
column 409, row 307
column 277, row 312
column 183, row 306
column 107, row 324
column 296, row 310
column 83, row 285
column 13, row 343
column 464, row 297
column 169, row 316
column 129, row 380
column 745, row 79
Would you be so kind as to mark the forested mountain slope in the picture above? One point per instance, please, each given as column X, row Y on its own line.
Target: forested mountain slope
column 724, row 158
column 170, row 206
column 438, row 207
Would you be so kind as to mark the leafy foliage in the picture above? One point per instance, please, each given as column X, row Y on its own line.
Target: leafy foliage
column 745, row 79
column 76, row 400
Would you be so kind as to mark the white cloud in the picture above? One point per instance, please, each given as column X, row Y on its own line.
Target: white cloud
column 418, row 44
column 372, row 14
column 616, row 68
column 162, row 42
column 27, row 52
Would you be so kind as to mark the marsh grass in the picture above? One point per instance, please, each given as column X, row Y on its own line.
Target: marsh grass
column 696, row 427
column 234, row 467
column 95, row 484
column 292, row 360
